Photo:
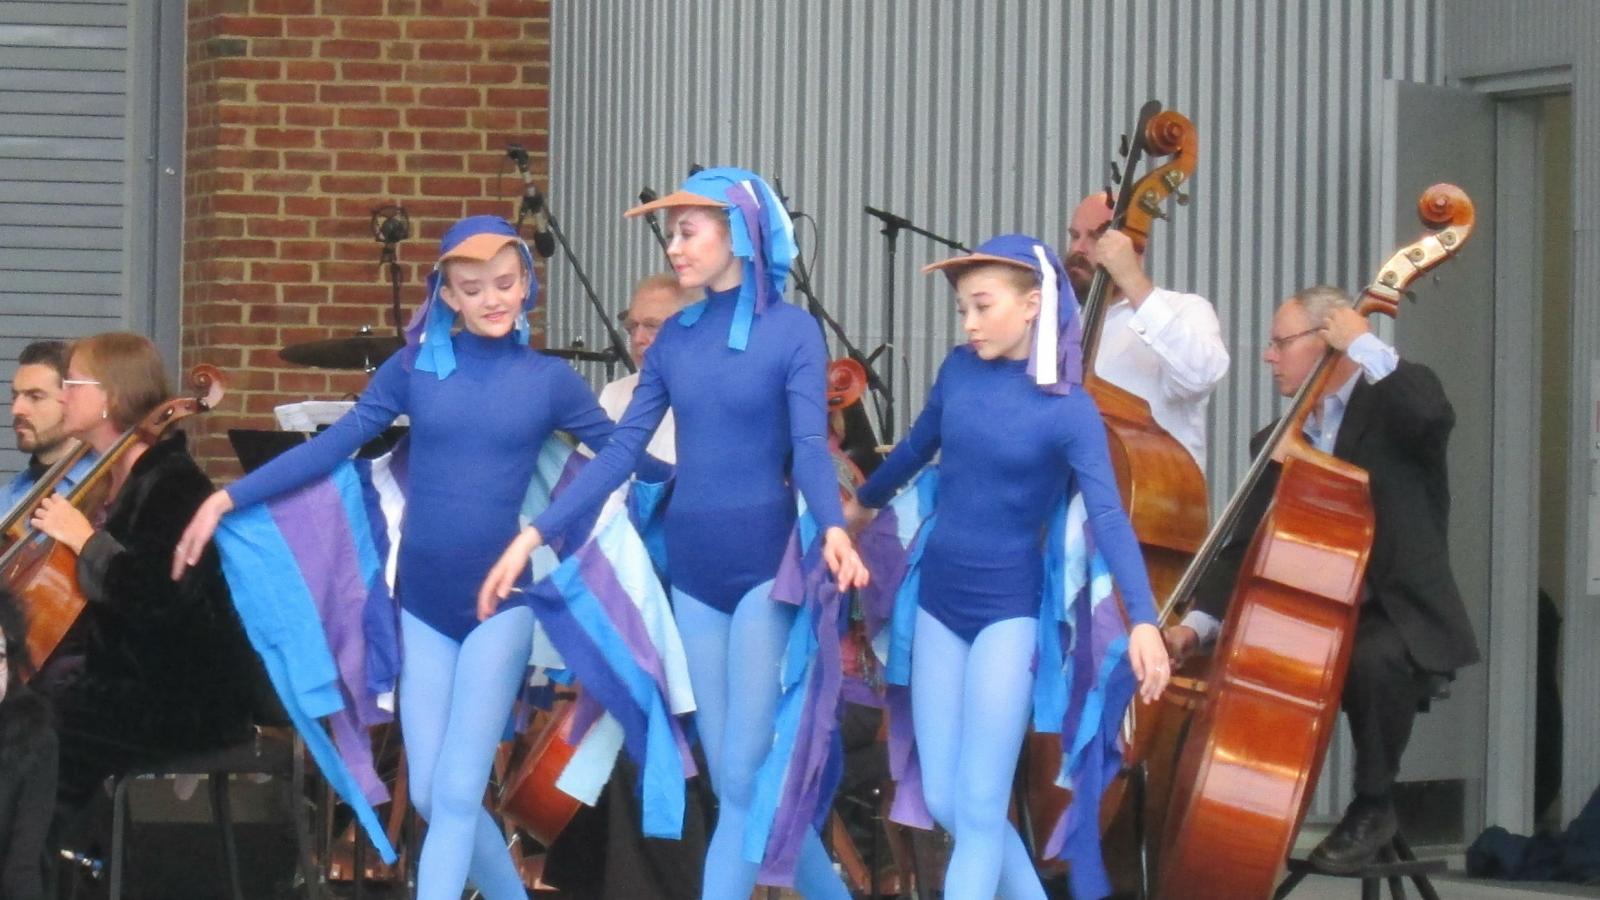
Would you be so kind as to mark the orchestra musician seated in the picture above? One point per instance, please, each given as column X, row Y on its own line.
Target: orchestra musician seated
column 166, row 669
column 1390, row 417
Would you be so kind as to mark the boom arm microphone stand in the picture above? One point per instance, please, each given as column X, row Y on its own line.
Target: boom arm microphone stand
column 534, row 204
column 649, row 196
column 892, row 225
column 390, row 226
column 802, row 281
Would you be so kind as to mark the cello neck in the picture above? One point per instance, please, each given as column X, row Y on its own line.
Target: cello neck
column 15, row 522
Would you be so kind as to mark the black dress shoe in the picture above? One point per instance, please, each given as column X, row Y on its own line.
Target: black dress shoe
column 1367, row 827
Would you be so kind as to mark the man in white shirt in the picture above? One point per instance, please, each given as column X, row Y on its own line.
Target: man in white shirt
column 1162, row 345
column 655, row 300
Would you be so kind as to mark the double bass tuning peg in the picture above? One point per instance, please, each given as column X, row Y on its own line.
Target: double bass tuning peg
column 1181, row 197
column 1116, row 173
column 1122, row 147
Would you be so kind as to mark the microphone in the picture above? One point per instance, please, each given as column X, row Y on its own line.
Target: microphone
column 648, row 196
column 532, row 205
column 390, row 225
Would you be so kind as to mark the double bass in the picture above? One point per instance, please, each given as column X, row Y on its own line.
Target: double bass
column 1271, row 693
column 1162, row 487
column 43, row 573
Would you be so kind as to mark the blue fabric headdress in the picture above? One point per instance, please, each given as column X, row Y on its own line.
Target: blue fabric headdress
column 1057, row 334
column 762, row 236
column 479, row 238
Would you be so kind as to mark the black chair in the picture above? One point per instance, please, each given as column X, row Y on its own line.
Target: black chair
column 269, row 751
column 1394, row 864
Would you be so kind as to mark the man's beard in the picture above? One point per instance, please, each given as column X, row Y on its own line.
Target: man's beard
column 35, row 441
column 1081, row 278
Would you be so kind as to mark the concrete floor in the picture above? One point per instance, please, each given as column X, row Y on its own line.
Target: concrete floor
column 1450, row 887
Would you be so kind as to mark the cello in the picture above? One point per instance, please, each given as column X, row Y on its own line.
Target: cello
column 15, row 523
column 40, row 571
column 1162, row 487
column 1271, row 693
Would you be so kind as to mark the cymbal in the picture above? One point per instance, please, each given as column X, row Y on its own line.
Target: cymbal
column 580, row 354
column 362, row 352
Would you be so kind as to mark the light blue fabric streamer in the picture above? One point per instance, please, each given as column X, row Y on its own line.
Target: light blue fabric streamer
column 283, row 626
column 662, row 768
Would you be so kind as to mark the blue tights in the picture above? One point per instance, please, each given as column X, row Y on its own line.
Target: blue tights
column 970, row 704
column 455, row 700
column 733, row 668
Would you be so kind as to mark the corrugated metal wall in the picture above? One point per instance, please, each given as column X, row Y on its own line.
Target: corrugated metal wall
column 63, row 99
column 91, row 140
column 976, row 118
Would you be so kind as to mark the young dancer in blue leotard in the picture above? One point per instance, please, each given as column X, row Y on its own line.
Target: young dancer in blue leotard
column 481, row 402
column 744, row 374
column 1013, row 425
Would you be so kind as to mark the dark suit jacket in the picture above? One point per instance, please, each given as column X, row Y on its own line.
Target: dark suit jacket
column 1398, row 430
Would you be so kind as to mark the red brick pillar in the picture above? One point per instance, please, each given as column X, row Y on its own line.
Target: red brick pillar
column 305, row 115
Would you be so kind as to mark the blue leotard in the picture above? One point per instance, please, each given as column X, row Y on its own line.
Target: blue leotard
column 752, row 424
column 1008, row 451
column 475, row 438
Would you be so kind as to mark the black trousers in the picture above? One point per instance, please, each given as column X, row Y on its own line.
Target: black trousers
column 1382, row 694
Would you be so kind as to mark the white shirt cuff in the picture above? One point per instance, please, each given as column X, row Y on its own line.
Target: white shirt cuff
column 1203, row 624
column 1154, row 314
column 1375, row 358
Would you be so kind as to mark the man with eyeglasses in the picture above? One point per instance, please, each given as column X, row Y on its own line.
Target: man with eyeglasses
column 1161, row 345
column 1390, row 417
column 655, row 300
column 37, row 410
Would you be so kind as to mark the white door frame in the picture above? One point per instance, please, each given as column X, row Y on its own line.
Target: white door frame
column 1513, row 627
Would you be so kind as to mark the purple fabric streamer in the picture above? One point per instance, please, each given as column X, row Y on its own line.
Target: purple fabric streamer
column 317, row 531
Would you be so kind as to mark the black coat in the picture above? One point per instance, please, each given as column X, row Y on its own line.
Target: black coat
column 166, row 669
column 27, row 792
column 1397, row 429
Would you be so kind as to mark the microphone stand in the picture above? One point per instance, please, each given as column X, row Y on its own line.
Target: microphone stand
column 534, row 203
column 390, row 226
column 619, row 349
column 802, row 281
column 892, row 225
column 649, row 196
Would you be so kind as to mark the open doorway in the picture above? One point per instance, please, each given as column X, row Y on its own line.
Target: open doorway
column 1553, row 129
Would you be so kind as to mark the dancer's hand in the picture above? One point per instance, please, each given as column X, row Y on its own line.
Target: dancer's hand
column 498, row 583
column 1148, row 654
column 856, row 516
column 201, row 527
column 839, row 552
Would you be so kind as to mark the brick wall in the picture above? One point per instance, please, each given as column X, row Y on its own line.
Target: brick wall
column 304, row 115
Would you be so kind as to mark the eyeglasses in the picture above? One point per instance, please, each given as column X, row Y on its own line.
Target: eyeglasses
column 630, row 324
column 1281, row 343
column 75, row 382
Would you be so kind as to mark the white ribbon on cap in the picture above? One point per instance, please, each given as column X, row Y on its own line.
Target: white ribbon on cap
column 1046, row 327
